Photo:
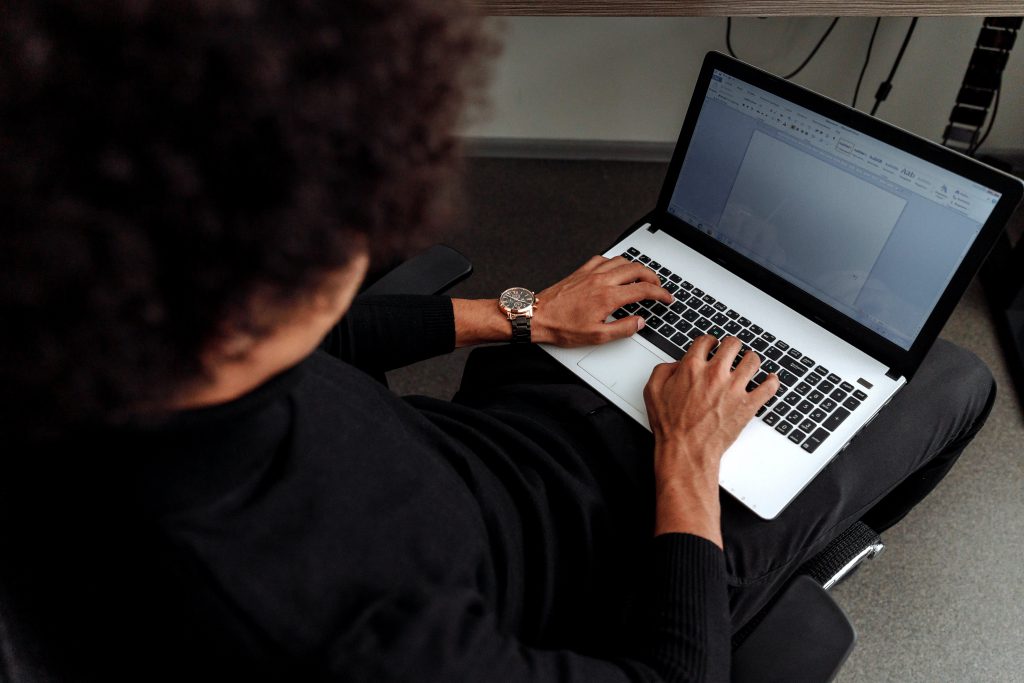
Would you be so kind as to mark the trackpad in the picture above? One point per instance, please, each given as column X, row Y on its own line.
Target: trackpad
column 624, row 367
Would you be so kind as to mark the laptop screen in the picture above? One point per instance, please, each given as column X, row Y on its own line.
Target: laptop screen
column 865, row 227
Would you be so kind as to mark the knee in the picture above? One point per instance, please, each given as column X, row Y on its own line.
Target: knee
column 963, row 379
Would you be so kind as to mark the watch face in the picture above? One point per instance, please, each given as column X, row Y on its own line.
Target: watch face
column 517, row 299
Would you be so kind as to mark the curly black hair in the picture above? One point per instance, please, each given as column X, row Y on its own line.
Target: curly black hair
column 163, row 162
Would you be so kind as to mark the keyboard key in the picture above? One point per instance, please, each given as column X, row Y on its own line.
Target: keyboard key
column 643, row 258
column 683, row 326
column 719, row 319
column 655, row 266
column 792, row 399
column 782, row 408
column 626, row 255
column 716, row 332
column 834, row 378
column 803, row 388
column 773, row 353
column 707, row 311
column 807, row 425
column 792, row 352
column 822, row 370
column 687, row 285
column 770, row 419
column 769, row 366
column 697, row 292
column 815, row 396
column 644, row 313
column 782, row 345
column 838, row 394
column 648, row 303
column 859, row 395
column 694, row 302
column 632, row 308
column 817, row 414
column 679, row 339
column 670, row 317
column 760, row 411
column 690, row 315
column 809, row 362
column 678, row 307
column 675, row 279
column 654, row 323
column 703, row 323
column 633, row 251
column 783, row 427
column 756, row 329
column 826, row 386
column 732, row 327
column 836, row 419
column 759, row 343
column 733, row 315
column 851, row 403
column 720, row 306
column 813, row 379
column 772, row 401
column 828, row 405
column 796, row 436
column 620, row 313
column 795, row 417
column 659, row 309
column 768, row 337
column 787, row 378
column 745, row 336
column 664, row 271
column 670, row 288
column 846, row 386
column 805, row 406
column 662, row 343
column 760, row 377
column 793, row 365
column 707, row 298
column 814, row 440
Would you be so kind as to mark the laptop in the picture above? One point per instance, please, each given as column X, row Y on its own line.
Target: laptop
column 832, row 244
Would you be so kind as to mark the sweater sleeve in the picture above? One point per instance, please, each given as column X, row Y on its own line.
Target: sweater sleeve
column 452, row 636
column 381, row 333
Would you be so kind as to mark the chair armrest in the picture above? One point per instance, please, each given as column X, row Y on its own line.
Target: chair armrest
column 804, row 636
column 433, row 271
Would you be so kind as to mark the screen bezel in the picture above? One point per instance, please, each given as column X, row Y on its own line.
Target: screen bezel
column 902, row 362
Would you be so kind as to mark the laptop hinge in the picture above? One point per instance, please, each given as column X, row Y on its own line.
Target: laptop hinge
column 892, row 374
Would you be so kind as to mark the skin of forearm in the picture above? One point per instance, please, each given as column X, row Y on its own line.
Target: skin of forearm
column 479, row 321
column 686, row 492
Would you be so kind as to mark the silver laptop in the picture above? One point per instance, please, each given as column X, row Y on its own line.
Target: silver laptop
column 833, row 245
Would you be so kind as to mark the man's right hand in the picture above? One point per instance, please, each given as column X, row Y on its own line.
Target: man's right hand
column 697, row 407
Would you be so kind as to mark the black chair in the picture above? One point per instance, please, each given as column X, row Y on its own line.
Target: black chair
column 802, row 635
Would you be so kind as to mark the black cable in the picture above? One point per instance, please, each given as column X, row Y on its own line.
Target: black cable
column 732, row 53
column 886, row 86
column 991, row 120
column 867, row 59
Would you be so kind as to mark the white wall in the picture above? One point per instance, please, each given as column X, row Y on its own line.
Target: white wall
column 629, row 79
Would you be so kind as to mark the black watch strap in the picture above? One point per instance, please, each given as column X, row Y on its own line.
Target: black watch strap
column 521, row 330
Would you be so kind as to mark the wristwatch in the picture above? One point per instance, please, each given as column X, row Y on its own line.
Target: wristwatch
column 517, row 303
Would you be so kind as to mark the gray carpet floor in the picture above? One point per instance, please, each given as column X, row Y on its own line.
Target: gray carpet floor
column 945, row 602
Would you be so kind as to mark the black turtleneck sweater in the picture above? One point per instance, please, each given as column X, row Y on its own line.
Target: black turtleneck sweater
column 322, row 528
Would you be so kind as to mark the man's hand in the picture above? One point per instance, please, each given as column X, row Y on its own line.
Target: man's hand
column 696, row 409
column 572, row 312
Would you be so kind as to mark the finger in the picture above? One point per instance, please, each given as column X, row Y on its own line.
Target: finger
column 764, row 392
column 620, row 329
column 592, row 263
column 702, row 346
column 639, row 291
column 659, row 375
column 747, row 367
column 612, row 264
column 626, row 273
column 726, row 353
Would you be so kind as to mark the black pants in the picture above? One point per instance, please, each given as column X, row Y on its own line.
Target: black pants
column 889, row 467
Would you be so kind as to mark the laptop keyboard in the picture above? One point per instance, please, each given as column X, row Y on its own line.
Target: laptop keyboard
column 811, row 401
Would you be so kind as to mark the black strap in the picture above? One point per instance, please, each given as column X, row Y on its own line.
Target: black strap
column 521, row 330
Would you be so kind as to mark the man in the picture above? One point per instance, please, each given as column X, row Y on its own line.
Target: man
column 205, row 481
